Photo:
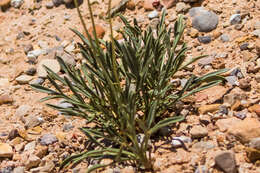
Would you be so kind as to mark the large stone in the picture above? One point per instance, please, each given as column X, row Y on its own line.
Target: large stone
column 226, row 161
column 6, row 150
column 203, row 20
column 51, row 64
column 245, row 130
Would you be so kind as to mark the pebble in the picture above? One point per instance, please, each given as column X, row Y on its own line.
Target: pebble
column 49, row 5
column 225, row 160
column 57, row 2
column 32, row 161
column 6, row 150
column 232, row 80
column 27, row 48
column 51, row 64
column 237, row 72
column 224, row 38
column 67, row 58
column 205, row 61
column 37, row 81
column 8, row 169
column 256, row 32
column 24, row 79
column 223, row 110
column 176, row 141
column 5, row 98
column 181, row 7
column 208, row 108
column 148, row 5
column 22, row 111
column 235, row 19
column 203, row 20
column 153, row 14
column 32, row 121
column 30, row 146
column 19, row 169
column 245, row 130
column 240, row 115
column 224, row 124
column 67, row 127
column 31, row 71
column 202, row 169
column 34, row 53
column 198, row 131
column 17, row 3
column 244, row 83
column 244, row 46
column 203, row 146
column 204, row 39
column 48, row 139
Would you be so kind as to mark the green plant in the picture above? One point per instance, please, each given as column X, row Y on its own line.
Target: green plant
column 125, row 90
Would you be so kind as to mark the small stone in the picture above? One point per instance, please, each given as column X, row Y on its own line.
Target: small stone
column 31, row 71
column 100, row 31
column 51, row 64
column 153, row 14
column 17, row 3
column 203, row 146
column 235, row 19
column 7, row 170
column 240, row 115
column 49, row 5
column 245, row 130
column 198, row 132
column 244, row 83
column 226, row 161
column 204, row 39
column 181, row 7
column 22, row 111
column 33, row 161
column 48, row 139
column 130, row 5
column 13, row 134
column 30, row 146
column 24, row 79
column 224, row 38
column 5, row 98
column 203, row 20
column 224, row 124
column 202, row 169
column 209, row 108
column 237, row 72
column 41, row 151
column 168, row 3
column 255, row 143
column 34, row 54
column 205, row 119
column 205, row 61
column 38, row 81
column 6, row 150
column 32, row 121
column 243, row 46
column 67, row 58
column 19, row 169
column 232, row 80
column 255, row 108
column 176, row 141
column 28, row 48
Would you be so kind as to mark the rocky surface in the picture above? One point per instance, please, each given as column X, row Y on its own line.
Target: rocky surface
column 221, row 131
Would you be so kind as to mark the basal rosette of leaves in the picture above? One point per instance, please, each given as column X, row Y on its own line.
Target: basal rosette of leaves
column 125, row 89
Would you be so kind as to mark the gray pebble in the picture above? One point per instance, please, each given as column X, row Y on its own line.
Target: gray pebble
column 240, row 115
column 232, row 80
column 17, row 3
column 224, row 38
column 31, row 71
column 204, row 39
column 67, row 127
column 202, row 169
column 153, row 14
column 244, row 46
column 176, row 141
column 237, row 72
column 235, row 19
column 38, row 81
column 256, row 32
column 48, row 139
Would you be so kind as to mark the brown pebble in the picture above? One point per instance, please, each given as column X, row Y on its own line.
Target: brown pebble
column 100, row 31
column 5, row 98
